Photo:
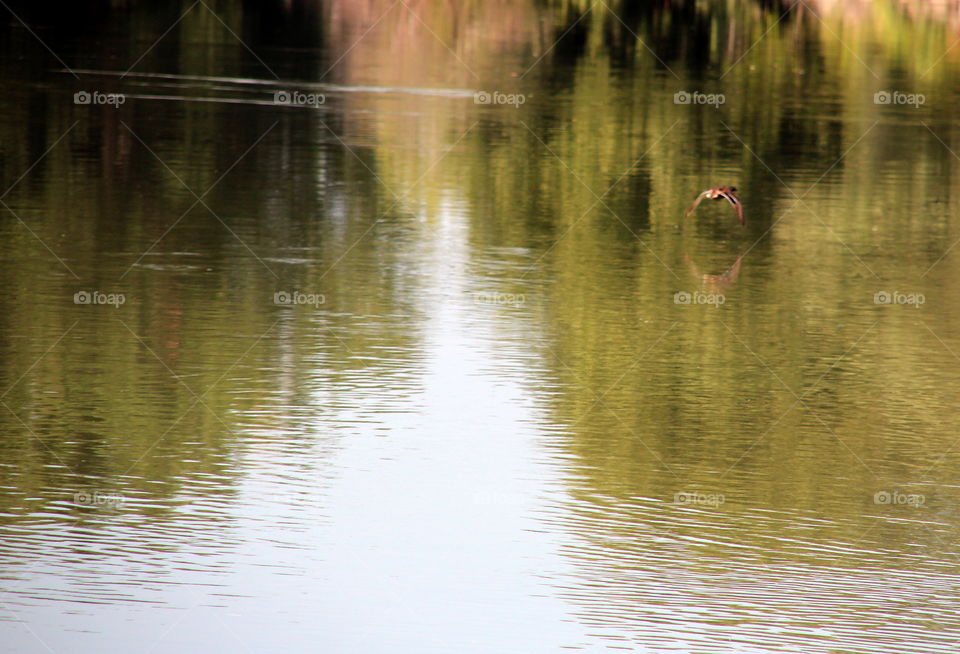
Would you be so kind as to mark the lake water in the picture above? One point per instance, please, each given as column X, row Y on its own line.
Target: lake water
column 378, row 327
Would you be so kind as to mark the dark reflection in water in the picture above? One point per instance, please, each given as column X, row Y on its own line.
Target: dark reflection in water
column 431, row 362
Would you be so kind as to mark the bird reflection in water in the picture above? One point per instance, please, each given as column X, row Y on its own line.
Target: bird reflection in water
column 714, row 283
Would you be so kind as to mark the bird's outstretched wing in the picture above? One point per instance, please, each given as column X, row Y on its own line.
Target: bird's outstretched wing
column 735, row 201
column 696, row 203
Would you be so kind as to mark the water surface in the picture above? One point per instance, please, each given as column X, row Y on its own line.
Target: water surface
column 407, row 370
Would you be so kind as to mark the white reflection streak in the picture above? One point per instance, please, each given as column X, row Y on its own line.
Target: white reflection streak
column 398, row 199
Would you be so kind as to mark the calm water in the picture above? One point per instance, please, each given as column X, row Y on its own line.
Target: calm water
column 413, row 369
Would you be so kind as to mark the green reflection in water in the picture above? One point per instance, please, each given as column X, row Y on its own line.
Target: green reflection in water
column 798, row 394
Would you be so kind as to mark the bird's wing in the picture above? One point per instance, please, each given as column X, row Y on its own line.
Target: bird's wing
column 696, row 203
column 732, row 199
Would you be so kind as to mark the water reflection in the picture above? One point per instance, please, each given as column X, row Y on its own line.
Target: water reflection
column 411, row 369
column 714, row 282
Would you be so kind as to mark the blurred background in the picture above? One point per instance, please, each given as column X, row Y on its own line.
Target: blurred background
column 378, row 326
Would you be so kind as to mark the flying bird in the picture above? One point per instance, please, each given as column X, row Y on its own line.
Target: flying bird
column 728, row 193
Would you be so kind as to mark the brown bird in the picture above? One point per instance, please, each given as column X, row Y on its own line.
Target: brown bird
column 728, row 193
